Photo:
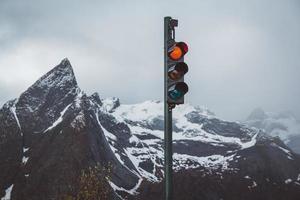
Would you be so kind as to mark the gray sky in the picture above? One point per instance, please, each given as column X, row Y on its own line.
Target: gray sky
column 243, row 54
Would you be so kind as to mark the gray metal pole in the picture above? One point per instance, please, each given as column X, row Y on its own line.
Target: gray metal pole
column 167, row 119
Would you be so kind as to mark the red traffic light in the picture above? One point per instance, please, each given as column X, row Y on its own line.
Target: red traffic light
column 177, row 51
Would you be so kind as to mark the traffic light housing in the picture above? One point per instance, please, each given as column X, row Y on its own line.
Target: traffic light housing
column 176, row 69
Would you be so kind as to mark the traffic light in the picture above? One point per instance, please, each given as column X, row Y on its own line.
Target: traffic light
column 177, row 68
column 174, row 90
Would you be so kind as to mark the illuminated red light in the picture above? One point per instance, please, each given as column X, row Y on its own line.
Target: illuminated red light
column 176, row 54
column 178, row 51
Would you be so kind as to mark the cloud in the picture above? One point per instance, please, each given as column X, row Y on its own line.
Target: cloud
column 242, row 54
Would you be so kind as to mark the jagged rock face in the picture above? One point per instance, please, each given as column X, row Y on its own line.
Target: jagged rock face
column 49, row 134
column 54, row 130
column 11, row 144
column 41, row 104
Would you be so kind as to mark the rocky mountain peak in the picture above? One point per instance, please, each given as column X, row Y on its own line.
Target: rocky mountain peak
column 60, row 76
column 58, row 82
column 47, row 97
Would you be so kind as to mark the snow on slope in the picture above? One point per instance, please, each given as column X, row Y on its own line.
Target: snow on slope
column 7, row 195
column 111, row 138
column 151, row 111
column 145, row 121
column 109, row 104
column 213, row 161
column 13, row 110
column 59, row 119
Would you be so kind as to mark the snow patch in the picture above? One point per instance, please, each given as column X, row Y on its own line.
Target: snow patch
column 201, row 135
column 59, row 120
column 132, row 191
column 139, row 112
column 149, row 111
column 287, row 181
column 79, row 121
column 139, row 155
column 109, row 104
column 212, row 161
column 24, row 160
column 8, row 191
column 106, row 133
column 134, row 140
column 249, row 144
column 80, row 93
column 254, row 184
column 13, row 110
column 112, row 138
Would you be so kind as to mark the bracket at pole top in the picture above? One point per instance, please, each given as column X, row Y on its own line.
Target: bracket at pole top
column 173, row 23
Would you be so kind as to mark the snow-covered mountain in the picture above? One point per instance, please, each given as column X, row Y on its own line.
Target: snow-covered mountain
column 54, row 130
column 283, row 125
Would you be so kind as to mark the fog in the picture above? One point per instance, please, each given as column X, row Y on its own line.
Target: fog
column 243, row 54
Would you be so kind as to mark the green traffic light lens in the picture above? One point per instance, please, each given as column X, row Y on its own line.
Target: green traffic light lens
column 175, row 94
column 177, row 91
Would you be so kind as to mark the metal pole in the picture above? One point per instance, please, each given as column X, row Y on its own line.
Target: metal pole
column 167, row 119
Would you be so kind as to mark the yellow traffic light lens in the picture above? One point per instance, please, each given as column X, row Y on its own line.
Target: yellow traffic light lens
column 175, row 75
column 177, row 71
column 176, row 54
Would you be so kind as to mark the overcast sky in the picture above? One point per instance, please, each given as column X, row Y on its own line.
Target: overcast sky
column 243, row 54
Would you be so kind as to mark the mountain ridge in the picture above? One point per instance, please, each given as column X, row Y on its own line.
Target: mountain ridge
column 54, row 130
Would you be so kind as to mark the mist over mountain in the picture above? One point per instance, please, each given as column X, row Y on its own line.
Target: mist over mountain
column 284, row 125
column 54, row 130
